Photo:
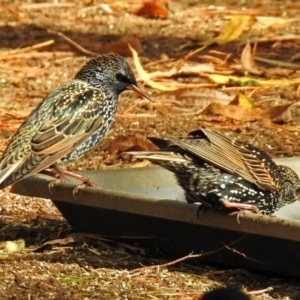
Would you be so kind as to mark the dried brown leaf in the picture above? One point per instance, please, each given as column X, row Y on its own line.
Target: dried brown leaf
column 201, row 98
column 185, row 69
column 130, row 143
column 283, row 114
column 245, row 113
column 73, row 238
column 248, row 62
column 152, row 9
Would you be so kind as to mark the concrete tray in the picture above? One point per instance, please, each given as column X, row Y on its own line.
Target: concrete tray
column 147, row 204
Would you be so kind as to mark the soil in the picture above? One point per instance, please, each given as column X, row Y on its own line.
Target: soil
column 89, row 268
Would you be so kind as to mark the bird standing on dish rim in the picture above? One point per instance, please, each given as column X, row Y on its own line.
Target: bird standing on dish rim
column 69, row 122
column 222, row 173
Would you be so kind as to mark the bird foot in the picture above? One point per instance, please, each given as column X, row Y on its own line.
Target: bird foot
column 77, row 189
column 238, row 214
column 60, row 176
column 200, row 211
column 84, row 179
column 81, row 186
column 242, row 208
column 243, row 212
column 52, row 183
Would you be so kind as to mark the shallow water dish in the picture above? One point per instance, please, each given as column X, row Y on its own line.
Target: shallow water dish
column 147, row 204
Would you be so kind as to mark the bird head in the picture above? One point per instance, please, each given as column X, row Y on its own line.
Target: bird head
column 110, row 72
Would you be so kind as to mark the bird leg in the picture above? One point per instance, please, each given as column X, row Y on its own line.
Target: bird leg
column 241, row 206
column 86, row 181
column 60, row 176
column 200, row 211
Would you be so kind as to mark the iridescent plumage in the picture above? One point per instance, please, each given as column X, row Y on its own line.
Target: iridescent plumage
column 223, row 173
column 70, row 121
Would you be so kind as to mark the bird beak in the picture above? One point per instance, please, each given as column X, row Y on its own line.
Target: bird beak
column 137, row 89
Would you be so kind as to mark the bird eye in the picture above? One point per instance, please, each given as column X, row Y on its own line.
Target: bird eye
column 122, row 78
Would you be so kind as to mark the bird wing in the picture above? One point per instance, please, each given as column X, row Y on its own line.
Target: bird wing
column 69, row 118
column 203, row 150
column 159, row 156
column 231, row 156
column 251, row 160
column 261, row 166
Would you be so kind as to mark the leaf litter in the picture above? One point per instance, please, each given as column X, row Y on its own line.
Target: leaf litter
column 241, row 82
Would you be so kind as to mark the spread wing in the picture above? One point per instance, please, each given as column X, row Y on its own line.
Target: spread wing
column 234, row 157
column 61, row 122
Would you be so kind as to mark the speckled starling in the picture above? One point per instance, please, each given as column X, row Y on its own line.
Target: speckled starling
column 225, row 293
column 70, row 121
column 219, row 172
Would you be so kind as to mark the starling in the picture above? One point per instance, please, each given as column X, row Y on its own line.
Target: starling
column 69, row 122
column 218, row 172
column 225, row 293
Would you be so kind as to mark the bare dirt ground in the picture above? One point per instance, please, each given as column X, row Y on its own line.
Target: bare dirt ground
column 95, row 269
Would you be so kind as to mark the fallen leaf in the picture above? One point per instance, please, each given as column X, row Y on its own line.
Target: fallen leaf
column 271, row 23
column 283, row 116
column 185, row 69
column 200, row 98
column 230, row 111
column 232, row 30
column 146, row 77
column 244, row 113
column 248, row 62
column 242, row 100
column 132, row 143
column 152, row 9
column 248, row 81
column 72, row 238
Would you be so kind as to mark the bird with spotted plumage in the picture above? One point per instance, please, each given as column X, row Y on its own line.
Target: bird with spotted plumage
column 69, row 122
column 222, row 173
column 225, row 293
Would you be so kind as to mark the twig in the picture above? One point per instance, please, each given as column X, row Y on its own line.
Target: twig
column 74, row 44
column 179, row 260
column 187, row 257
column 268, row 289
column 242, row 254
column 173, row 262
column 136, row 116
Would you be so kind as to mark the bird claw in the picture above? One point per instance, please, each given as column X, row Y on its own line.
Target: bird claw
column 81, row 186
column 200, row 210
column 243, row 212
column 77, row 188
column 238, row 213
column 52, row 183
